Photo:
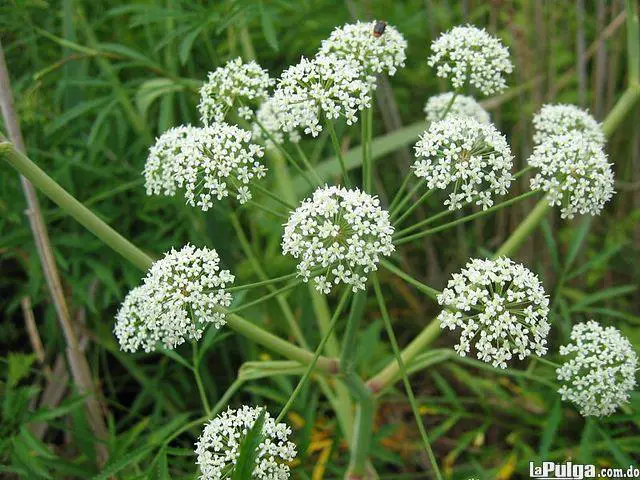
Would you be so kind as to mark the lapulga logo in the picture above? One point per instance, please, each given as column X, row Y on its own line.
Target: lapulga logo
column 561, row 471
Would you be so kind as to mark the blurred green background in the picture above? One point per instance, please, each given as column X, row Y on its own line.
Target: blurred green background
column 95, row 82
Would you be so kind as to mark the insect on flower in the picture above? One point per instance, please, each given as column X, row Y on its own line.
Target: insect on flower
column 379, row 28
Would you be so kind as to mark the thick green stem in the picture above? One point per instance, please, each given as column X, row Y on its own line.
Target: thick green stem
column 196, row 374
column 362, row 427
column 339, row 154
column 73, row 207
column 350, row 342
column 390, row 373
column 620, row 110
column 405, row 378
column 366, row 119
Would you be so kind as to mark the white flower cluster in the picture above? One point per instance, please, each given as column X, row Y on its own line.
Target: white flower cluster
column 500, row 307
column 462, row 106
column 560, row 119
column 326, row 86
column 181, row 293
column 218, row 448
column 574, row 172
column 473, row 157
column 270, row 118
column 600, row 371
column 469, row 55
column 208, row 163
column 236, row 81
column 341, row 232
column 375, row 54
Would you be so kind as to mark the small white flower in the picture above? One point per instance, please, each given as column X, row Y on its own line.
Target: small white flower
column 462, row 106
column 500, row 308
column 209, row 163
column 270, row 118
column 574, row 173
column 473, row 158
column 326, row 87
column 230, row 85
column 600, row 370
column 470, row 56
column 181, row 293
column 218, row 448
column 375, row 54
column 340, row 232
column 560, row 119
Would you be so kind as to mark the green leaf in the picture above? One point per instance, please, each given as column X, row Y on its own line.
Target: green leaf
column 622, row 459
column 187, row 44
column 19, row 367
column 114, row 466
column 551, row 429
column 576, row 241
column 246, row 463
column 153, row 89
column 603, row 295
column 267, row 28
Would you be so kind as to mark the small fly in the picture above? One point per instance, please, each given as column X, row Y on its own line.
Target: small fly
column 379, row 27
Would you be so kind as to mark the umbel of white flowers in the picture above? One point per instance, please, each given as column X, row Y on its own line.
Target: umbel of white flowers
column 574, row 173
column 218, row 447
column 375, row 53
column 560, row 119
column 473, row 157
column 599, row 371
column 338, row 235
column 234, row 84
column 181, row 293
column 467, row 55
column 209, row 163
column 500, row 308
column 462, row 106
column 326, row 87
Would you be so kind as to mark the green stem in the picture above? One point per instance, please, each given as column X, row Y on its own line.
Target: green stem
column 526, row 227
column 407, row 197
column 350, row 342
column 263, row 282
column 268, row 210
column 432, row 293
column 633, row 41
column 283, row 151
column 449, row 105
column 316, row 355
column 307, row 163
column 363, row 425
column 338, row 149
column 400, row 192
column 196, row 374
column 400, row 240
column 273, row 196
column 366, row 118
column 405, row 379
column 257, row 267
column 73, row 207
column 389, row 374
column 423, row 223
column 266, row 297
column 279, row 345
column 620, row 110
column 413, row 206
